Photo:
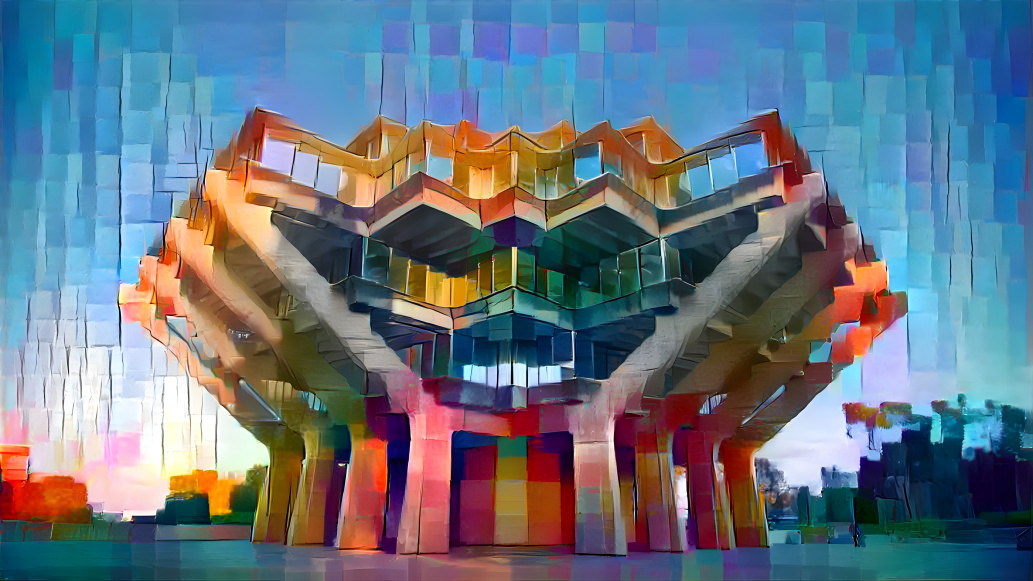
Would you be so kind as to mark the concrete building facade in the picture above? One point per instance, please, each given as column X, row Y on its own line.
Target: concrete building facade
column 452, row 337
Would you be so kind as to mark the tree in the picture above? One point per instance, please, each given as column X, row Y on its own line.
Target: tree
column 769, row 476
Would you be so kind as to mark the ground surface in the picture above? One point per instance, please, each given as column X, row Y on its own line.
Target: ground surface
column 224, row 560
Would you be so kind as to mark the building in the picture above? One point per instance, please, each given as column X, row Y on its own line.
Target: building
column 447, row 336
column 14, row 474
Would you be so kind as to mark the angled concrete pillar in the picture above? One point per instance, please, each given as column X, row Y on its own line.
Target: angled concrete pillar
column 657, row 507
column 704, row 494
column 309, row 510
column 747, row 506
column 272, row 516
column 361, row 524
column 425, row 512
column 599, row 523
column 725, row 534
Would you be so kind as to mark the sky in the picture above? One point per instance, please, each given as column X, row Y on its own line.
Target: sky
column 917, row 112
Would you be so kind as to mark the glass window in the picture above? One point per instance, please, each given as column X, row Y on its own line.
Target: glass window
column 398, row 273
column 328, row 180
column 682, row 189
column 417, row 164
column 376, row 260
column 628, row 263
column 590, row 278
column 750, row 158
column 439, row 168
column 651, row 264
column 418, row 281
column 722, row 167
column 613, row 165
column 699, row 180
column 588, row 164
column 525, row 269
column 555, row 286
column 563, row 346
column 401, row 172
column 304, row 171
column 484, row 276
column 505, row 374
column 520, row 374
column 609, row 279
column 550, row 374
column 278, row 155
column 570, row 288
column 587, row 297
column 503, row 268
column 672, row 261
column 541, row 282
column 545, row 184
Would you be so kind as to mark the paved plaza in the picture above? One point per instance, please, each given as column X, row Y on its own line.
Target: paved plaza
column 225, row 560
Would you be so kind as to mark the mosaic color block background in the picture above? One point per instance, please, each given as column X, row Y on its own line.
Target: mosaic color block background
column 918, row 113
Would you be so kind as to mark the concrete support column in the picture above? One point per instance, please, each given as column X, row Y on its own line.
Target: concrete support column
column 654, row 472
column 599, row 524
column 707, row 496
column 726, row 536
column 425, row 511
column 272, row 517
column 361, row 524
column 747, row 506
column 309, row 510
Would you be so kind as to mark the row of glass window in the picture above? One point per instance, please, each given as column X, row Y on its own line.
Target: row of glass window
column 505, row 366
column 518, row 374
column 719, row 168
column 614, row 277
column 703, row 174
column 506, row 357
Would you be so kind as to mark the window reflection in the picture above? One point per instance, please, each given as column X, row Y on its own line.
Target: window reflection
column 699, row 180
column 750, row 158
column 588, row 163
column 304, row 170
column 545, row 184
column 278, row 155
column 439, row 168
column 722, row 167
column 328, row 179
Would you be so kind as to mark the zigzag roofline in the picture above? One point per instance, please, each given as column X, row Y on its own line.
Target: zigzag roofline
column 560, row 137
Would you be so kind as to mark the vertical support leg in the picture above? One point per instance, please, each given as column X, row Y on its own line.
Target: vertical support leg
column 361, row 523
column 703, row 494
column 306, row 527
column 425, row 511
column 747, row 506
column 722, row 506
column 654, row 469
column 281, row 483
column 635, row 528
column 599, row 528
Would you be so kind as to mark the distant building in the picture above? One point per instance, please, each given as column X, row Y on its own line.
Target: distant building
column 832, row 477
